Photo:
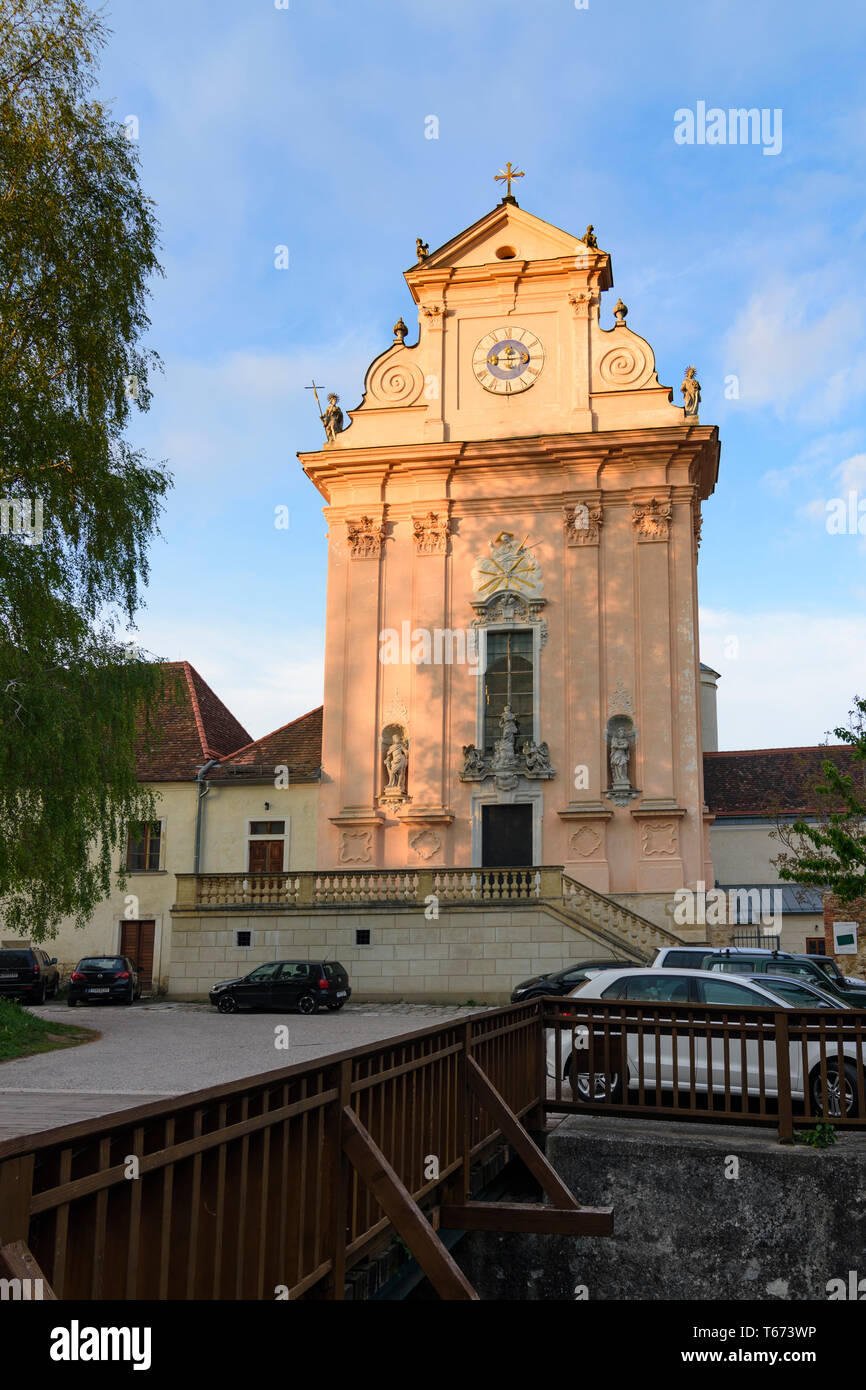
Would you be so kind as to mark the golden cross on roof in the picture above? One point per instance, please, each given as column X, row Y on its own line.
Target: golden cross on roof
column 507, row 174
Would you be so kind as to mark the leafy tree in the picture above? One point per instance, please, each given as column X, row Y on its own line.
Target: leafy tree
column 78, row 244
column 831, row 851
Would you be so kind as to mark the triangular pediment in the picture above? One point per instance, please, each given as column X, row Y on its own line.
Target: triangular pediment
column 507, row 228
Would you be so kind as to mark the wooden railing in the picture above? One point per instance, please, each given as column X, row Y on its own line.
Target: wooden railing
column 277, row 1185
column 744, row 1065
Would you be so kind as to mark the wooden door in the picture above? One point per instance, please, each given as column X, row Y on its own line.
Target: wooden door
column 136, row 941
column 266, row 856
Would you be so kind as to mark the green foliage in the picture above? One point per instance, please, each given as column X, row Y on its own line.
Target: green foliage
column 831, row 853
column 23, row 1033
column 78, row 243
column 821, row 1137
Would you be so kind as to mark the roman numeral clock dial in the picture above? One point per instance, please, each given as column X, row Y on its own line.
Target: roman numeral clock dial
column 508, row 360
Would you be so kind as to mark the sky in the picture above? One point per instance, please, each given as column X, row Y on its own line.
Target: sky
column 304, row 124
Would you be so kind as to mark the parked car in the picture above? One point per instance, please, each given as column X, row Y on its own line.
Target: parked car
column 109, row 978
column 563, row 981
column 692, row 957
column 702, row 987
column 829, row 966
column 28, row 973
column 799, row 991
column 285, row 984
column 780, row 963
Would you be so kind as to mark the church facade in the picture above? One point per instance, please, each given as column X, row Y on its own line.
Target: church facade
column 516, row 763
column 512, row 668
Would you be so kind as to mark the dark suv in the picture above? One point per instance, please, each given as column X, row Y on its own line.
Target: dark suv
column 285, row 984
column 564, row 981
column 29, row 974
column 105, row 978
column 780, row 963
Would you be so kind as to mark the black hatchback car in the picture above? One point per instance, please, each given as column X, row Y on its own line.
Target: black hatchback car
column 109, row 978
column 564, row 981
column 285, row 984
column 28, row 973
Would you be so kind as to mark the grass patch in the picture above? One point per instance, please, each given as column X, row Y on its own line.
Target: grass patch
column 22, row 1034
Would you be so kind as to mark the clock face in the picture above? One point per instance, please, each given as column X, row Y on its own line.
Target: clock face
column 508, row 360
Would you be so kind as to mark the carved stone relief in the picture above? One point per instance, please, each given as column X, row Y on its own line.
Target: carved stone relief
column 431, row 533
column 583, row 522
column 425, row 843
column 365, row 538
column 585, row 842
column 356, row 846
column 659, row 839
column 652, row 520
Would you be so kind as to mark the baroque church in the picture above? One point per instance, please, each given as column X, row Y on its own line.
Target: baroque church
column 515, row 765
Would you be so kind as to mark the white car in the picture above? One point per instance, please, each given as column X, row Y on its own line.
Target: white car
column 666, row 987
column 692, row 957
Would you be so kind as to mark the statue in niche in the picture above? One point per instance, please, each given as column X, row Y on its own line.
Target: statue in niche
column 396, row 764
column 691, row 389
column 333, row 418
column 620, row 747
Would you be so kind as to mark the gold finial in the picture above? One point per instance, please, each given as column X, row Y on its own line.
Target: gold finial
column 506, row 176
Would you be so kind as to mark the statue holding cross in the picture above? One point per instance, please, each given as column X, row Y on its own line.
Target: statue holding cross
column 332, row 418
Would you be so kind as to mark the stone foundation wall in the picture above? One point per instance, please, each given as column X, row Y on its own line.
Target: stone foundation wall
column 791, row 1220
column 469, row 953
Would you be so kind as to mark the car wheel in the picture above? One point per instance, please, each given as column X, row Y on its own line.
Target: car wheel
column 42, row 995
column 130, row 996
column 227, row 1004
column 71, row 1002
column 842, row 1100
column 595, row 1086
column 308, row 1004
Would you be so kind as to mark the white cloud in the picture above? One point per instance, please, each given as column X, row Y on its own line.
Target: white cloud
column 793, row 677
column 795, row 355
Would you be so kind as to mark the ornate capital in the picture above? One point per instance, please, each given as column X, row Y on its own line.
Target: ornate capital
column 652, row 520
column 434, row 313
column 697, row 522
column 582, row 302
column 583, row 521
column 431, row 533
column 365, row 538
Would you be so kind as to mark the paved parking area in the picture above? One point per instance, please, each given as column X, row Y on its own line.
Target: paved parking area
column 158, row 1049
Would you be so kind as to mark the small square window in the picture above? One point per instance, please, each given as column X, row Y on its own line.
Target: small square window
column 245, row 938
column 362, row 936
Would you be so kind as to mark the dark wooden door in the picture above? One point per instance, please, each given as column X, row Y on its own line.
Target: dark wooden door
column 266, row 856
column 506, row 836
column 136, row 941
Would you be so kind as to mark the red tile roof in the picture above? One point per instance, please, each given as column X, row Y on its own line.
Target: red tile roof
column 297, row 746
column 768, row 781
column 192, row 725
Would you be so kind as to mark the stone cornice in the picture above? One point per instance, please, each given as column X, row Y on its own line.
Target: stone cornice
column 692, row 448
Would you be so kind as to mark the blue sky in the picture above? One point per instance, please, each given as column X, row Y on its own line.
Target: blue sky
column 305, row 127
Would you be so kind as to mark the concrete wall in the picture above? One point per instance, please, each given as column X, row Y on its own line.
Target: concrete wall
column 467, row 954
column 792, row 1220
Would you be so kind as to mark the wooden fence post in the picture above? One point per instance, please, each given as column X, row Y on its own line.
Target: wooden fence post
column 783, row 1079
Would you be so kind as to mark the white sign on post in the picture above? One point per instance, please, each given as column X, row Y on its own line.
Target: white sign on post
column 845, row 938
